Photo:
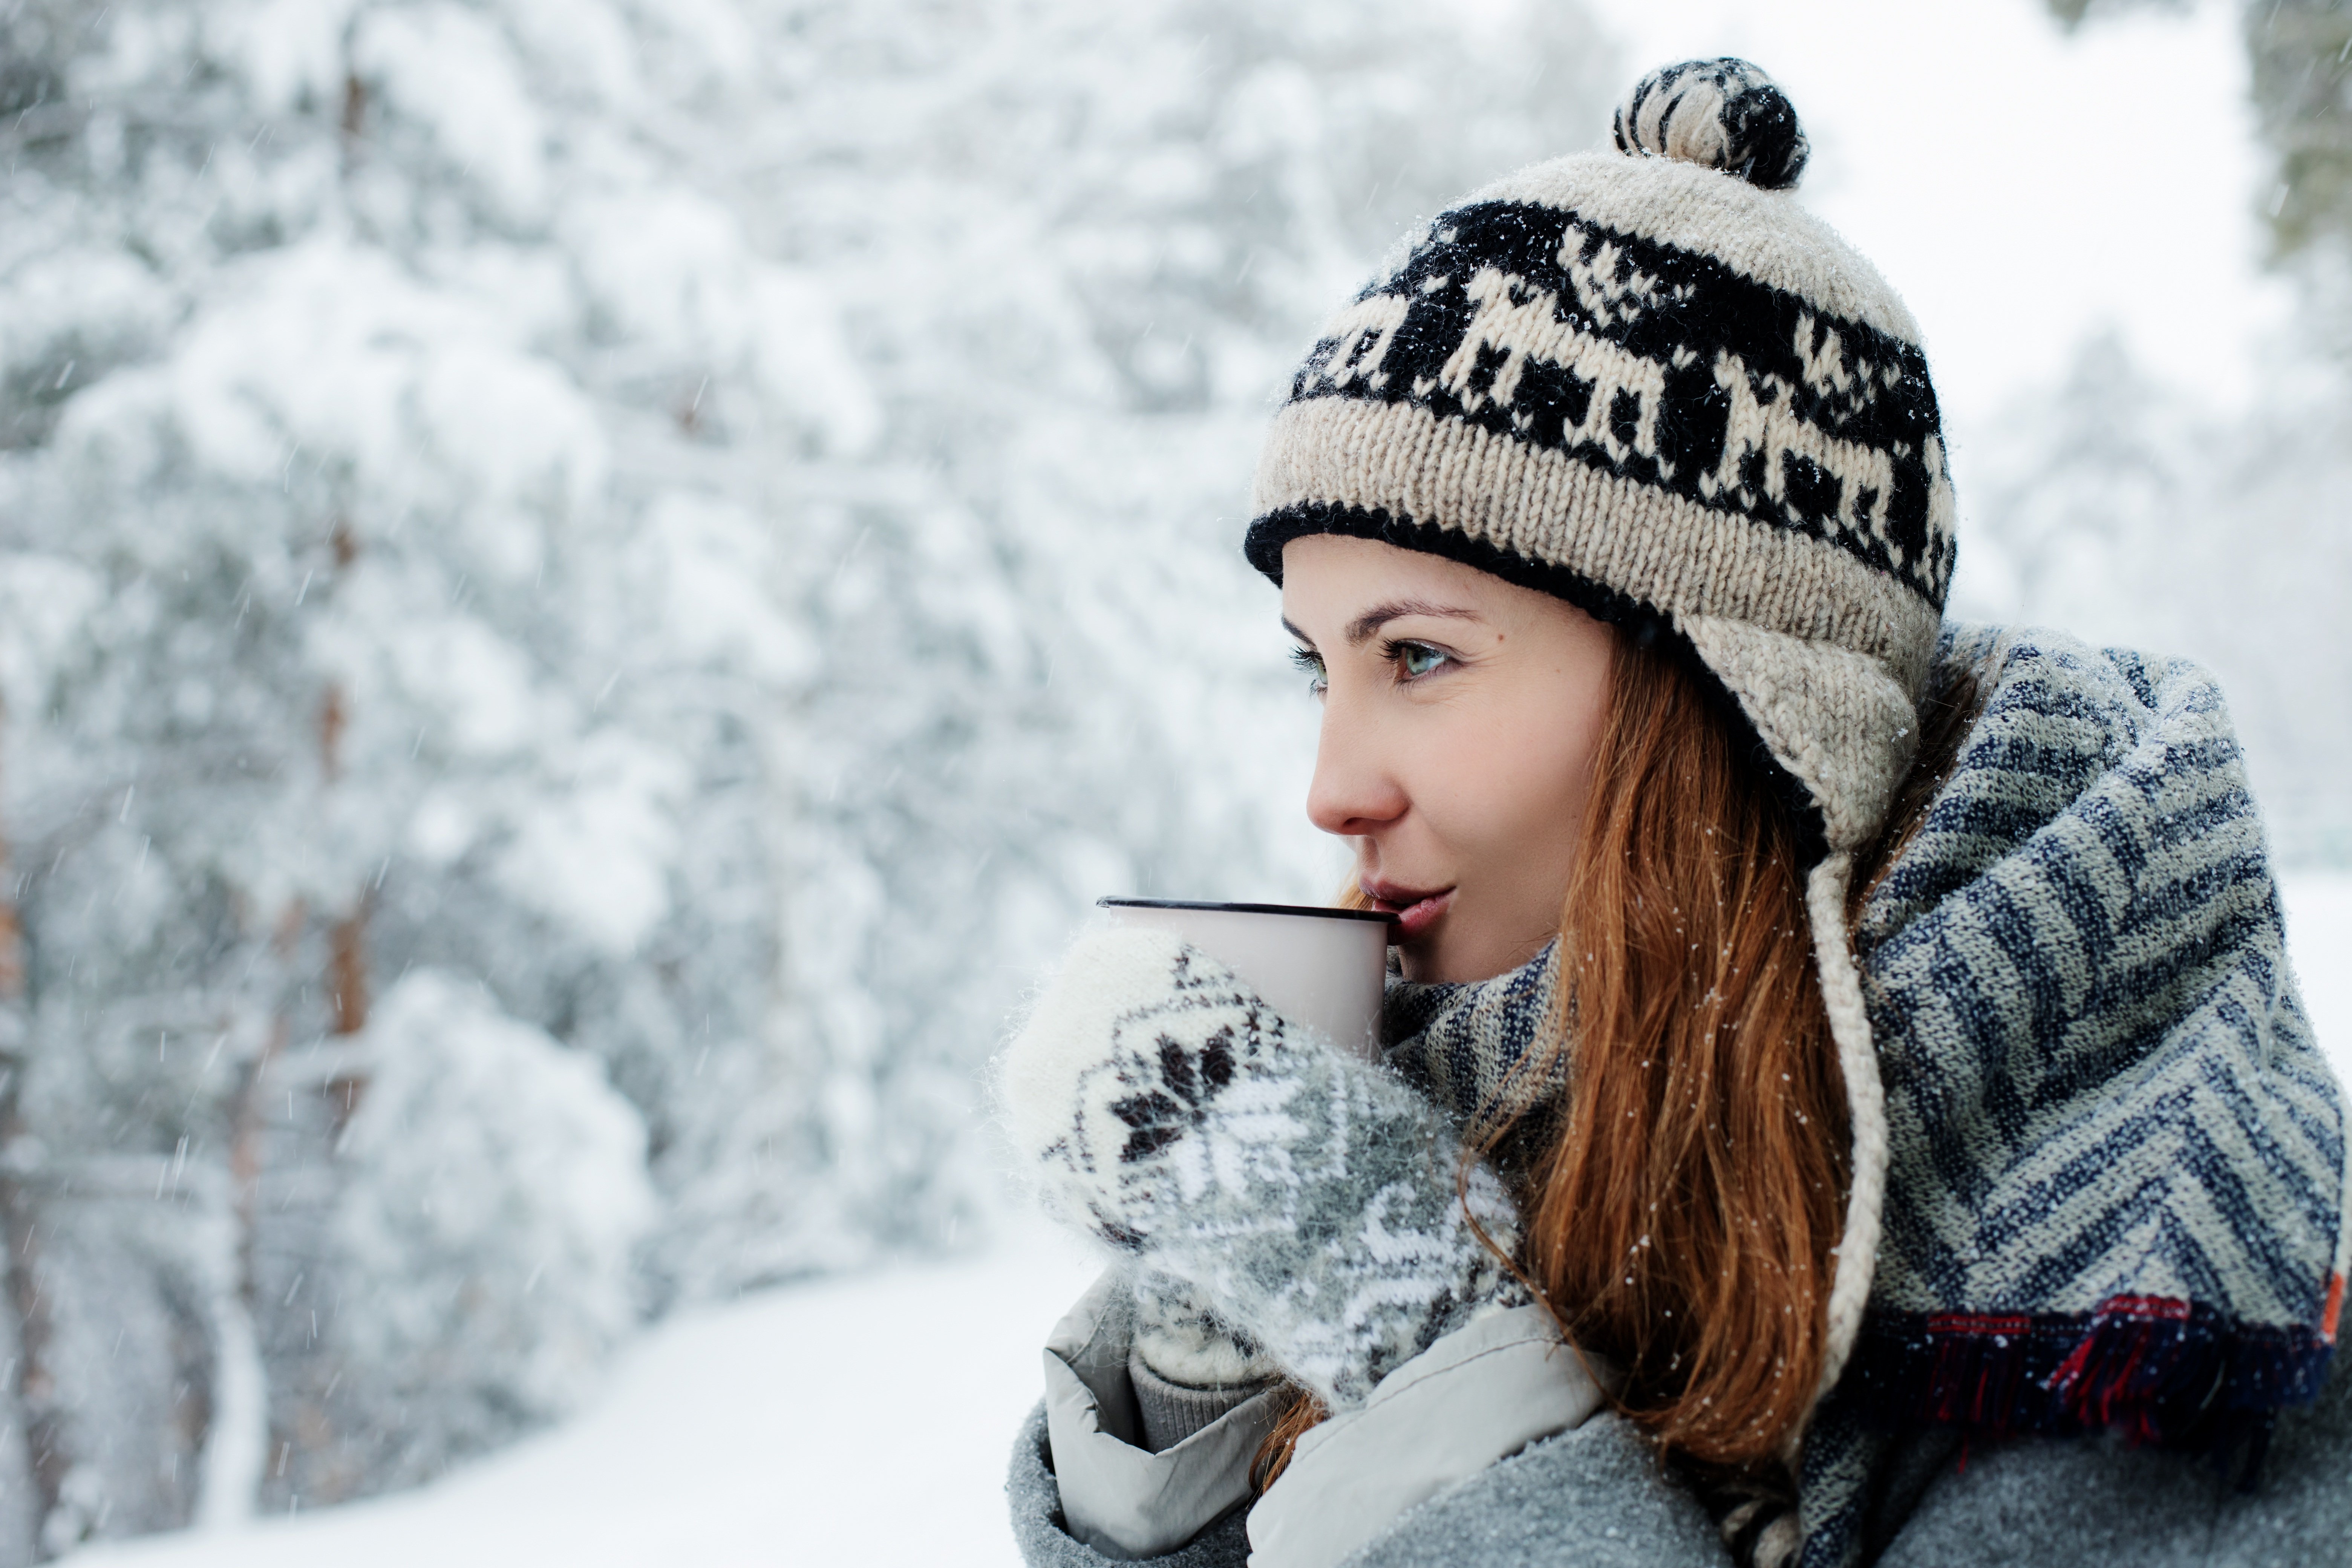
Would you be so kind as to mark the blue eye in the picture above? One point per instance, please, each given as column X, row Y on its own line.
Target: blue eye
column 1416, row 659
column 1310, row 664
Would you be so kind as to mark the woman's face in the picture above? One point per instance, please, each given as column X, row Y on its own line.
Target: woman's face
column 1460, row 717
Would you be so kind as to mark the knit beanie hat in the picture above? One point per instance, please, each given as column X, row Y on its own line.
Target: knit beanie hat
column 1649, row 383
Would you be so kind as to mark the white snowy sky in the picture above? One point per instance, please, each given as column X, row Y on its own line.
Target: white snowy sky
column 2019, row 187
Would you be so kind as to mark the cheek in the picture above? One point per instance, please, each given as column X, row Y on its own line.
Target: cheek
column 1545, row 794
column 1507, row 790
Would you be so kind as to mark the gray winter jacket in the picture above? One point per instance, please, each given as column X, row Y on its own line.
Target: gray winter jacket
column 1593, row 1496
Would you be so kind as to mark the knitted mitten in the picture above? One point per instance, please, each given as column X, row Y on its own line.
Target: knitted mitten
column 1180, row 1337
column 1317, row 1204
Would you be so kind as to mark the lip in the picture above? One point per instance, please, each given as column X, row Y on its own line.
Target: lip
column 1416, row 909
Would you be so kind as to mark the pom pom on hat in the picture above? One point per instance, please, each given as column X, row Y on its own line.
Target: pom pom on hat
column 1722, row 113
column 1643, row 381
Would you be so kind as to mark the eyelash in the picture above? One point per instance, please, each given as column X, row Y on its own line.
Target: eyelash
column 1310, row 663
column 1392, row 652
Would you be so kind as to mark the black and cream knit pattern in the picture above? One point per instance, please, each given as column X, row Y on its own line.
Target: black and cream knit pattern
column 1720, row 114
column 1317, row 1202
column 1649, row 384
column 1650, row 320
column 1638, row 361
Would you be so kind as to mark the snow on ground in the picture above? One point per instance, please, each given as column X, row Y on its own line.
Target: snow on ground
column 861, row 1420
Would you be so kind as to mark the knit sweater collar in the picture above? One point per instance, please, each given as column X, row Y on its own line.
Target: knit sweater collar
column 1473, row 1046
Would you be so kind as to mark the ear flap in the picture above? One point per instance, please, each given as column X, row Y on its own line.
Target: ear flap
column 1841, row 723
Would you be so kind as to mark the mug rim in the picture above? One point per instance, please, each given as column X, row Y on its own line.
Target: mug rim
column 1316, row 911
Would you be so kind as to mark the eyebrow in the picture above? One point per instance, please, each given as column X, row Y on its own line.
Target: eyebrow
column 1360, row 629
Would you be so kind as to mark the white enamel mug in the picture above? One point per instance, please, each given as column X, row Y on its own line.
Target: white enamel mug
column 1320, row 969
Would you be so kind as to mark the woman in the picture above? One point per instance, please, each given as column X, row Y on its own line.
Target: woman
column 1845, row 1099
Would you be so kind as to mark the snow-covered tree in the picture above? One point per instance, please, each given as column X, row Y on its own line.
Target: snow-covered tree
column 2137, row 511
column 494, row 1190
column 2129, row 512
column 555, row 551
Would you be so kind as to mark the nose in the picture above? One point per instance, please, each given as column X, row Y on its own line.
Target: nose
column 1355, row 793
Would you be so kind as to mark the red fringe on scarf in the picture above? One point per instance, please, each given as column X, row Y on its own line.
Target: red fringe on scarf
column 2165, row 1373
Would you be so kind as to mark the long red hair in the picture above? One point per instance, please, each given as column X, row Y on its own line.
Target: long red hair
column 1682, row 1200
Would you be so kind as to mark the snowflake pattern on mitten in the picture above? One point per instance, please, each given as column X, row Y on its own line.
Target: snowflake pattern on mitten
column 1321, row 1207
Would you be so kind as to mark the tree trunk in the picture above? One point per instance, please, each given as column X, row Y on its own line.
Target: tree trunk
column 236, row 1439
column 30, row 1466
column 237, row 1445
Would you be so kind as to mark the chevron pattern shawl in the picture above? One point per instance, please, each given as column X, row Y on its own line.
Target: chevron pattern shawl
column 2117, row 1186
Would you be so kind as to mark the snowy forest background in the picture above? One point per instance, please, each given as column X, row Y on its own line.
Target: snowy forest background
column 586, row 585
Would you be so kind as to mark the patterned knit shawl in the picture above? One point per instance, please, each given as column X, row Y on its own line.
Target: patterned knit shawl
column 2117, row 1184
